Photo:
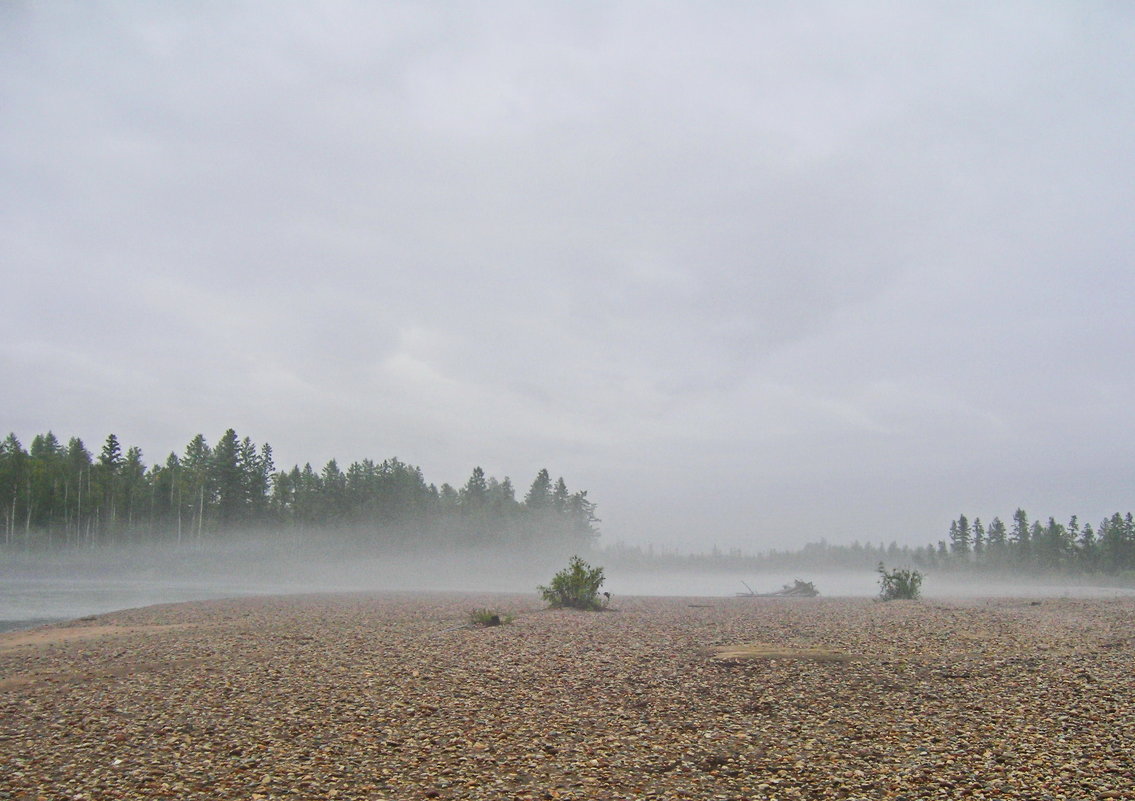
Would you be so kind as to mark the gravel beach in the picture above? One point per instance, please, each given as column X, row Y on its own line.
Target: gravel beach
column 397, row 697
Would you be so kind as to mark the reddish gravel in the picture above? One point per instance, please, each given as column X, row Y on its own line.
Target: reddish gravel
column 391, row 697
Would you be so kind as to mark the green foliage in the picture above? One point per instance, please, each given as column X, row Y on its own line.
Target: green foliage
column 56, row 497
column 488, row 617
column 899, row 584
column 576, row 587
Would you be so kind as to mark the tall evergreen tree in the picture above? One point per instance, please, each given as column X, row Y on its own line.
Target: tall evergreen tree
column 227, row 479
column 333, row 483
column 133, row 492
column 45, row 446
column 1020, row 537
column 47, row 484
column 961, row 537
column 108, row 477
column 1116, row 543
column 560, row 496
column 997, row 537
column 540, row 493
column 111, row 456
column 475, row 492
column 1087, row 548
column 79, row 461
column 195, row 471
column 13, row 474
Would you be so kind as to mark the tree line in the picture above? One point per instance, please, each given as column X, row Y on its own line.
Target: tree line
column 1071, row 547
column 1022, row 547
column 63, row 496
column 1051, row 547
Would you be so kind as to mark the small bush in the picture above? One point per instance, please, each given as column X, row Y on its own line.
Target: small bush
column 488, row 617
column 576, row 587
column 899, row 584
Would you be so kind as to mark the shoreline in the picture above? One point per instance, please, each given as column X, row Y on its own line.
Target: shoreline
column 29, row 598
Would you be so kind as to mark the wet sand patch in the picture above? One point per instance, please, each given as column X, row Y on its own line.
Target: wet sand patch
column 61, row 634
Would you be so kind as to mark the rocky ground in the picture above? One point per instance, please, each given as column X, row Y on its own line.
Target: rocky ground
column 393, row 697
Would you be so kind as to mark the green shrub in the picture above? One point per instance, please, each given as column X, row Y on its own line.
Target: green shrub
column 576, row 587
column 899, row 584
column 488, row 617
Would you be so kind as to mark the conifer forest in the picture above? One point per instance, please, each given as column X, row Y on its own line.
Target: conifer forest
column 64, row 496
column 56, row 496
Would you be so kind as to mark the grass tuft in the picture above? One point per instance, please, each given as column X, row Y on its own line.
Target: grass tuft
column 488, row 617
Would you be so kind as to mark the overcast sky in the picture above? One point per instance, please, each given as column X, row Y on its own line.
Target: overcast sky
column 751, row 273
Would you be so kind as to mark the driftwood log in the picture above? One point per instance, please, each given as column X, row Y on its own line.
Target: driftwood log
column 798, row 589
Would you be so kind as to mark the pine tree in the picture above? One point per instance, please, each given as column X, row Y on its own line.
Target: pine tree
column 132, row 480
column 1053, row 546
column 260, row 493
column 998, row 538
column 581, row 514
column 1116, row 543
column 540, row 493
column 111, row 457
column 108, row 476
column 79, row 461
column 46, row 489
column 45, row 446
column 560, row 496
column 13, row 468
column 1020, row 538
column 449, row 498
column 227, row 479
column 961, row 537
column 1087, row 547
column 475, row 492
column 196, row 466
column 333, row 486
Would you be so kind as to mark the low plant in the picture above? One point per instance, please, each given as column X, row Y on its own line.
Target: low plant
column 899, row 584
column 488, row 617
column 576, row 587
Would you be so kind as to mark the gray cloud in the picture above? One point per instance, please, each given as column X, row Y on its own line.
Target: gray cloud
column 751, row 274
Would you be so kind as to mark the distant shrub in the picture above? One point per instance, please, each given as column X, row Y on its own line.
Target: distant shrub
column 488, row 617
column 576, row 587
column 899, row 584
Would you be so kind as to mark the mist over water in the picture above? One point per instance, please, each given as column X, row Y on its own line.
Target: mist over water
column 729, row 584
column 40, row 589
column 45, row 588
column 847, row 584
column 30, row 600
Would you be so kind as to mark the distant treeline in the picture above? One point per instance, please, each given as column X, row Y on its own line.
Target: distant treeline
column 55, row 496
column 1024, row 547
column 820, row 555
column 1047, row 547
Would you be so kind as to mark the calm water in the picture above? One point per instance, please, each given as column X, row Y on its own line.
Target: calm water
column 28, row 599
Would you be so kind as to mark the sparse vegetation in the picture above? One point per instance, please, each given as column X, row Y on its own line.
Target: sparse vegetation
column 488, row 617
column 899, row 584
column 576, row 587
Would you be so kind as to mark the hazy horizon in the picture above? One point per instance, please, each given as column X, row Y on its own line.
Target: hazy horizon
column 44, row 587
column 751, row 275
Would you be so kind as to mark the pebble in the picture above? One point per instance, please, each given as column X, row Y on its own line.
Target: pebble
column 387, row 696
